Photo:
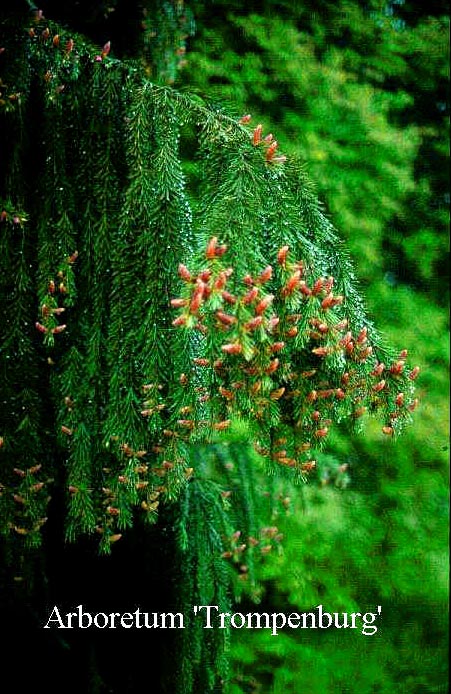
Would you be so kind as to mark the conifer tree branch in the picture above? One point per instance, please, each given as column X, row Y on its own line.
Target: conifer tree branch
column 169, row 306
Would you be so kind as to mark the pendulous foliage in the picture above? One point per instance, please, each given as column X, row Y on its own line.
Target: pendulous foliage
column 148, row 309
column 91, row 245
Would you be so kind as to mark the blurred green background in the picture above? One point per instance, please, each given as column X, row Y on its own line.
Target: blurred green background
column 360, row 92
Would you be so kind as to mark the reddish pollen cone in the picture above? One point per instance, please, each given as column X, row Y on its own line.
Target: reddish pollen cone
column 321, row 433
column 250, row 296
column 181, row 320
column 257, row 134
column 317, row 287
column 263, row 304
column 378, row 369
column 225, row 318
column 292, row 283
column 228, row 297
column 414, row 373
column 184, row 273
column 271, row 150
column 195, row 302
column 282, row 255
column 379, row 386
column 266, row 274
column 254, row 323
column 321, row 351
column 178, row 303
column 273, row 366
column 232, row 348
column 361, row 338
column 277, row 347
column 211, row 248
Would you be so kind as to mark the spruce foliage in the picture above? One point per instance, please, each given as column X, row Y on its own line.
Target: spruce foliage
column 151, row 307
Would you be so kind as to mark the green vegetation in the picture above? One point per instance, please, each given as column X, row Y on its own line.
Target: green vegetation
column 173, row 334
column 361, row 96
